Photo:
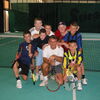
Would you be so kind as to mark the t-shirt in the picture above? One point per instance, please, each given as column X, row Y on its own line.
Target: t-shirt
column 51, row 33
column 68, row 58
column 47, row 52
column 24, row 50
column 77, row 37
column 58, row 34
column 40, row 42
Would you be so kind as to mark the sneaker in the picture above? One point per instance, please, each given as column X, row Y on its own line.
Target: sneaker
column 79, row 86
column 84, row 81
column 43, row 83
column 19, row 84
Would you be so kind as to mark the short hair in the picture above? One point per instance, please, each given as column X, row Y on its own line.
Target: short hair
column 42, row 31
column 26, row 32
column 37, row 19
column 53, row 37
column 47, row 25
column 74, row 24
column 73, row 41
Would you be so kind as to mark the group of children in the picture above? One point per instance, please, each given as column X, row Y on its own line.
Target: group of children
column 62, row 50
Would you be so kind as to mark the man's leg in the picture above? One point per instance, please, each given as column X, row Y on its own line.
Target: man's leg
column 59, row 75
column 45, row 70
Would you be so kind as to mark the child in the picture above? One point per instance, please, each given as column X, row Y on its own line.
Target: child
column 23, row 59
column 73, row 59
column 35, row 30
column 48, row 29
column 73, row 34
column 41, row 42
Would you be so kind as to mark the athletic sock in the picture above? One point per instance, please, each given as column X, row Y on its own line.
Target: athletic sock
column 18, row 78
column 83, row 76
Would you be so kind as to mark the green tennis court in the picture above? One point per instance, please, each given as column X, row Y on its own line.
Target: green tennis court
column 8, row 90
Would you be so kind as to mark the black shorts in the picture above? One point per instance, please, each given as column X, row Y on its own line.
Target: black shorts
column 24, row 67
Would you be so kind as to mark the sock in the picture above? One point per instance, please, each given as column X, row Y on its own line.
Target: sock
column 18, row 78
column 75, row 75
column 79, row 81
column 45, row 78
column 83, row 76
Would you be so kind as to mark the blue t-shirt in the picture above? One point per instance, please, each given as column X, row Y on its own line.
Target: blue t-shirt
column 77, row 37
column 23, row 50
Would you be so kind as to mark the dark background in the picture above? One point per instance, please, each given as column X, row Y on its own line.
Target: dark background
column 87, row 15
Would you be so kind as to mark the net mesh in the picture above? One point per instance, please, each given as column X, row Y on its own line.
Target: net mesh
column 8, row 48
column 91, row 45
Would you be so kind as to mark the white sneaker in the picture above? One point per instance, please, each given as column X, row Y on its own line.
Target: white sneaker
column 43, row 83
column 79, row 86
column 19, row 84
column 84, row 81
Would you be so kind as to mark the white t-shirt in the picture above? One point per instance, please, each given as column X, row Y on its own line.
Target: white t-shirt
column 47, row 52
column 34, row 31
column 51, row 33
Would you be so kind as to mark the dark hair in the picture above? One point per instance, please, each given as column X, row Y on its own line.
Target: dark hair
column 53, row 37
column 37, row 19
column 73, row 41
column 74, row 24
column 26, row 32
column 42, row 31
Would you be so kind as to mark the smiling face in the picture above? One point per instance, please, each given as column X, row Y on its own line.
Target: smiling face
column 72, row 46
column 27, row 38
column 53, row 43
column 48, row 29
column 38, row 24
column 62, row 28
column 73, row 29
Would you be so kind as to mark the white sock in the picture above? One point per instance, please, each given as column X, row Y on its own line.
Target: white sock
column 79, row 81
column 45, row 78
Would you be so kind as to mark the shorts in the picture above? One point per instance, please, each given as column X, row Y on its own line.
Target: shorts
column 39, row 58
column 24, row 67
column 57, row 69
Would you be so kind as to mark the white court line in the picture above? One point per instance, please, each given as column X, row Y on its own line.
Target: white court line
column 7, row 43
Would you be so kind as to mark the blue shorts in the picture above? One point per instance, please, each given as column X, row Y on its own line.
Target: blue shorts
column 39, row 58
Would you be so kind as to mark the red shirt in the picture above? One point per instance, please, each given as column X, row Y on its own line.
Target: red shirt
column 59, row 36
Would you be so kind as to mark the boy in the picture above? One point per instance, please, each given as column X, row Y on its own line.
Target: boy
column 73, row 34
column 35, row 30
column 41, row 41
column 73, row 59
column 48, row 29
column 23, row 59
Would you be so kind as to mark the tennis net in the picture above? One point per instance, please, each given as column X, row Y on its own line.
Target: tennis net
column 9, row 45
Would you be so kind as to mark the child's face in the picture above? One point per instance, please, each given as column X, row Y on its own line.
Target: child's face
column 73, row 29
column 38, row 24
column 42, row 36
column 72, row 46
column 47, row 28
column 27, row 38
column 62, row 28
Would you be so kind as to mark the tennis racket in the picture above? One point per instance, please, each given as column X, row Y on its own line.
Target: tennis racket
column 33, row 76
column 52, row 85
column 71, row 82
